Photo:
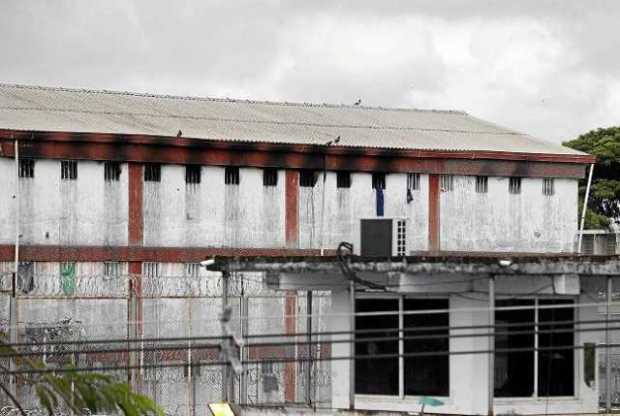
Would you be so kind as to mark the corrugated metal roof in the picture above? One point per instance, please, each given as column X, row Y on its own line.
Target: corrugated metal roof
column 73, row 110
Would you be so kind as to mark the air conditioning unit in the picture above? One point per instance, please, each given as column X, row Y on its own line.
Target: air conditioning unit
column 382, row 237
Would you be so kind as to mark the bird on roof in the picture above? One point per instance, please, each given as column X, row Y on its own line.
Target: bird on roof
column 358, row 102
column 179, row 133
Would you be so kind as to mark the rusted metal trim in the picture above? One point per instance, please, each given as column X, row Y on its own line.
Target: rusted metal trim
column 138, row 254
column 102, row 140
column 290, row 320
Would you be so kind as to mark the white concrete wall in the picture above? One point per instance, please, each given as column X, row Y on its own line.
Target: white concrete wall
column 87, row 211
column 500, row 221
column 90, row 211
column 344, row 207
column 212, row 214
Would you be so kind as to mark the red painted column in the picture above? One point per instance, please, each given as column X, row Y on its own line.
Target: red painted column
column 434, row 241
column 135, row 226
column 291, row 211
column 290, row 321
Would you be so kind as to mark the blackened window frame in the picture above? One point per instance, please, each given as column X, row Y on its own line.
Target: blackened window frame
column 26, row 168
column 378, row 180
column 343, row 179
column 193, row 174
column 111, row 171
column 307, row 178
column 68, row 170
column 270, row 177
column 152, row 172
column 232, row 176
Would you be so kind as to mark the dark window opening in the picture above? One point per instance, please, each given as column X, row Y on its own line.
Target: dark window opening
column 192, row 174
column 426, row 375
column 548, row 188
column 413, row 181
column 376, row 375
column 152, row 172
column 378, row 180
column 68, row 170
column 343, row 179
column 231, row 175
column 26, row 168
column 514, row 371
column 482, row 184
column 307, row 178
column 555, row 366
column 270, row 177
column 514, row 185
column 111, row 171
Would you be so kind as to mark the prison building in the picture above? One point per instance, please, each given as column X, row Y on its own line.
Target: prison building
column 115, row 197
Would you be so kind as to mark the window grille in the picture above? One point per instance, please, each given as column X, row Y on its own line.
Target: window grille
column 68, row 170
column 307, row 178
column 482, row 184
column 192, row 174
column 111, row 171
column 26, row 168
column 150, row 269
column 446, row 183
column 514, row 185
column 231, row 175
column 401, row 238
column 547, row 186
column 343, row 179
column 413, row 181
column 270, row 177
column 111, row 269
column 191, row 269
column 378, row 180
column 152, row 172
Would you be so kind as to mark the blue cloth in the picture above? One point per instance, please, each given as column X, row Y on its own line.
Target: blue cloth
column 379, row 202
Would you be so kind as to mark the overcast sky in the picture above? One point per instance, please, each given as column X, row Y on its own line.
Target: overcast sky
column 551, row 69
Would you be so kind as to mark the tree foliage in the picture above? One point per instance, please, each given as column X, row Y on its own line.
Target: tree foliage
column 74, row 390
column 604, row 203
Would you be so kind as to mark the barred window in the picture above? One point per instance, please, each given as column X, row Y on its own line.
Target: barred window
column 191, row 269
column 152, row 172
column 343, row 179
column 446, row 183
column 307, row 178
column 68, row 170
column 378, row 180
column 111, row 171
column 270, row 177
column 482, row 184
column 231, row 175
column 514, row 185
column 401, row 238
column 192, row 174
column 548, row 188
column 111, row 269
column 413, row 181
column 150, row 269
column 26, row 168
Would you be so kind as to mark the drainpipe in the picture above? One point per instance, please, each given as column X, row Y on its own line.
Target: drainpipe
column 584, row 208
column 607, row 348
column 13, row 300
column 491, row 392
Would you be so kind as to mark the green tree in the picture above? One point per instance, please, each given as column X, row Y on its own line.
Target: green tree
column 76, row 391
column 604, row 204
